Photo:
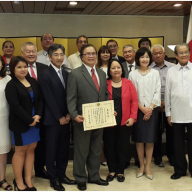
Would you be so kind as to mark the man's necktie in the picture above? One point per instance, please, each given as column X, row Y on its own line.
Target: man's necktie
column 61, row 77
column 130, row 66
column 95, row 79
column 33, row 73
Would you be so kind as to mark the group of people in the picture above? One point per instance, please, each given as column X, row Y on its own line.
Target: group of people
column 42, row 100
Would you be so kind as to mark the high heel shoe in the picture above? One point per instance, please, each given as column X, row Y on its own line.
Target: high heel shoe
column 30, row 188
column 150, row 177
column 139, row 174
column 16, row 187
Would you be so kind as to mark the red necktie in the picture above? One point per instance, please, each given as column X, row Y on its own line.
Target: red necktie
column 33, row 73
column 95, row 79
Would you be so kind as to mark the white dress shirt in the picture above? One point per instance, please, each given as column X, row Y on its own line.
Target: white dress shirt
column 42, row 57
column 75, row 60
column 105, row 69
column 90, row 72
column 34, row 69
column 148, row 87
column 178, row 93
column 133, row 66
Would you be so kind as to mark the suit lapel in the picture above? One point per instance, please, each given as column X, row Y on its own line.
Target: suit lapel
column 55, row 76
column 124, row 86
column 88, row 77
column 125, row 69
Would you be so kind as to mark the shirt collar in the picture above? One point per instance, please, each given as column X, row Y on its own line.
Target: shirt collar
column 45, row 52
column 116, row 57
column 34, row 65
column 78, row 53
column 153, row 64
column 56, row 69
column 188, row 66
column 131, row 64
column 89, row 68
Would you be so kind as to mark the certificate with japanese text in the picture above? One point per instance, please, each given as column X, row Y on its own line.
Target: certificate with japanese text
column 98, row 115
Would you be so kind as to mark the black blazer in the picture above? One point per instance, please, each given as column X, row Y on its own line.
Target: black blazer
column 40, row 68
column 121, row 59
column 54, row 95
column 21, row 105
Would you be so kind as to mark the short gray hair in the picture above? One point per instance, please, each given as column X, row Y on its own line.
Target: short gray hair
column 128, row 45
column 179, row 45
column 157, row 45
column 28, row 43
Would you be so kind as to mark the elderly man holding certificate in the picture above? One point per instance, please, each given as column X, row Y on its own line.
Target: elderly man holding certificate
column 86, row 84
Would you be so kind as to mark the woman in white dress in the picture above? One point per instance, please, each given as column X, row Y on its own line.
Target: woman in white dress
column 104, row 56
column 148, row 86
column 5, row 138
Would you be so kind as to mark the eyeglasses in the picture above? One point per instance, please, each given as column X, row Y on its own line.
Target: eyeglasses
column 82, row 42
column 90, row 54
column 112, row 46
column 183, row 53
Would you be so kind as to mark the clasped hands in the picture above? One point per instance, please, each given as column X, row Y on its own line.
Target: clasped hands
column 80, row 118
column 147, row 113
column 64, row 120
column 36, row 120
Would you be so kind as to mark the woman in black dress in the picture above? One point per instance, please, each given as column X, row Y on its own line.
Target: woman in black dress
column 26, row 106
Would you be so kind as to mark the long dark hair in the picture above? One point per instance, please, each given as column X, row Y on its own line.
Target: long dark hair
column 4, row 68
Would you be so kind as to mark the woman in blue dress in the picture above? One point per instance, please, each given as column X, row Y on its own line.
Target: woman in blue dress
column 26, row 105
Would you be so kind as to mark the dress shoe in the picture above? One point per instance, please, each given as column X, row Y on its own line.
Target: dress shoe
column 157, row 161
column 150, row 177
column 57, row 185
column 82, row 186
column 42, row 174
column 161, row 164
column 67, row 181
column 100, row 182
column 120, row 178
column 110, row 177
column 139, row 175
column 177, row 175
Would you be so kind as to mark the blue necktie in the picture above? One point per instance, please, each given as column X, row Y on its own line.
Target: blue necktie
column 61, row 77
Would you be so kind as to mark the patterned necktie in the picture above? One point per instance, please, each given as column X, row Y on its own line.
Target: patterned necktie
column 95, row 79
column 61, row 77
column 130, row 66
column 33, row 73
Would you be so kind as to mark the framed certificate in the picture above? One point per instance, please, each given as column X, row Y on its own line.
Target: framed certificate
column 98, row 115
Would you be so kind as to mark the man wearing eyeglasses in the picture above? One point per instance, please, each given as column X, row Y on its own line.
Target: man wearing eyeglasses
column 75, row 59
column 178, row 108
column 86, row 84
column 113, row 46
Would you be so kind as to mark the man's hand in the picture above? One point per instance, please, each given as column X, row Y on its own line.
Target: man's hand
column 79, row 119
column 37, row 118
column 115, row 113
column 68, row 118
column 169, row 120
column 63, row 120
column 33, row 124
column 129, row 122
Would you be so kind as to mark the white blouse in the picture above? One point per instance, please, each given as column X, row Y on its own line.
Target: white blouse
column 148, row 87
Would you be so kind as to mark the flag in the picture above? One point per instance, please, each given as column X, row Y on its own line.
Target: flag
column 189, row 34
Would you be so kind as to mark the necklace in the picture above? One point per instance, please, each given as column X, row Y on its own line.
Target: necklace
column 117, row 81
column 139, row 70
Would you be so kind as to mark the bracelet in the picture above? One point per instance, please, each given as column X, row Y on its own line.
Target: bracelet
column 151, row 107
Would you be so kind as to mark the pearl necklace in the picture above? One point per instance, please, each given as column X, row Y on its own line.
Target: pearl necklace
column 139, row 70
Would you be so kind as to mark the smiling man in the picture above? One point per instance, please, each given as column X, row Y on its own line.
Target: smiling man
column 178, row 108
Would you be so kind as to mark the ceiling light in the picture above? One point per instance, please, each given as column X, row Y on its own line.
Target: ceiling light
column 73, row 3
column 16, row 2
column 177, row 5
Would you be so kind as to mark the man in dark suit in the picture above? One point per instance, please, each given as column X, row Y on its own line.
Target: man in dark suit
column 128, row 66
column 86, row 84
column 53, row 82
column 113, row 46
column 29, row 53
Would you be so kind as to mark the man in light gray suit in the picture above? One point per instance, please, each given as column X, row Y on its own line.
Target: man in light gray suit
column 86, row 84
column 129, row 55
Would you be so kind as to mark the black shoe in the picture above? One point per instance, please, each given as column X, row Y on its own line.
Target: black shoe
column 161, row 164
column 42, row 174
column 17, row 188
column 177, row 176
column 157, row 161
column 67, row 181
column 110, row 177
column 120, row 178
column 100, row 182
column 127, row 164
column 57, row 185
column 82, row 186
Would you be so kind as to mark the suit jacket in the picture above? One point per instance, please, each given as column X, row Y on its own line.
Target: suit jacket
column 40, row 68
column 81, row 89
column 128, row 97
column 124, row 64
column 121, row 59
column 21, row 105
column 54, row 95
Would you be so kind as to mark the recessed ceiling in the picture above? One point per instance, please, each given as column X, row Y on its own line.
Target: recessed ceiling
column 153, row 8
